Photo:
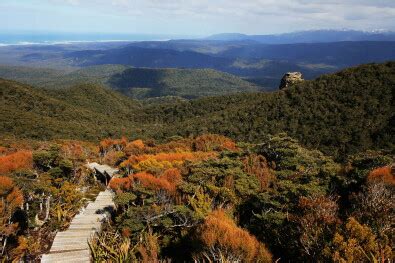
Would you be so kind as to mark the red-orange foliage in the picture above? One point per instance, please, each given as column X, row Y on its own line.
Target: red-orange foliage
column 121, row 184
column 214, row 142
column 173, row 176
column 222, row 236
column 139, row 144
column 14, row 161
column 382, row 174
column 109, row 143
column 257, row 165
column 135, row 147
column 11, row 198
column 73, row 150
column 151, row 182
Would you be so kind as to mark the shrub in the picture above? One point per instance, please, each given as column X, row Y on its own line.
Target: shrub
column 224, row 240
column 15, row 161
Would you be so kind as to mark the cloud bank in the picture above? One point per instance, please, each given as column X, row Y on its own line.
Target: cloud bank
column 205, row 16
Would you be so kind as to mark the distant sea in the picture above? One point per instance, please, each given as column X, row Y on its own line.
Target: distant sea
column 68, row 38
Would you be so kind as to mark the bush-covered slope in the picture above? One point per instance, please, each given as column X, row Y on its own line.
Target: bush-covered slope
column 140, row 83
column 342, row 113
column 339, row 113
column 186, row 83
column 86, row 112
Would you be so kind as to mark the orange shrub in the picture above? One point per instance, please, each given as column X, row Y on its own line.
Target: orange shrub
column 121, row 184
column 220, row 233
column 173, row 176
column 151, row 182
column 11, row 198
column 383, row 174
column 109, row 143
column 134, row 147
column 139, row 144
column 14, row 161
column 73, row 150
column 214, row 142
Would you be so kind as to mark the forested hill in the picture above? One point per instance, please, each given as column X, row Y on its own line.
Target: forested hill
column 341, row 113
column 86, row 112
column 185, row 83
column 138, row 83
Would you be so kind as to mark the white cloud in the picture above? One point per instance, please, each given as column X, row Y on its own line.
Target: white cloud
column 250, row 16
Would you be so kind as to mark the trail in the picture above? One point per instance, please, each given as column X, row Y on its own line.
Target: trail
column 71, row 246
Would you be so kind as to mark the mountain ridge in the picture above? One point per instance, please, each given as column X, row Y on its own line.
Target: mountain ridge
column 309, row 36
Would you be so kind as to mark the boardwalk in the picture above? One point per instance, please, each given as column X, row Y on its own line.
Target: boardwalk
column 102, row 168
column 102, row 172
column 72, row 244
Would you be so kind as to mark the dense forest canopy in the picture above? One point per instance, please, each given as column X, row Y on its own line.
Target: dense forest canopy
column 138, row 83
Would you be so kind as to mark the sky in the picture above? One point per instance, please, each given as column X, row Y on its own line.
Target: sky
column 194, row 17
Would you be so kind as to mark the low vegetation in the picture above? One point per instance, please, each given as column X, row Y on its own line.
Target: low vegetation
column 210, row 199
column 42, row 186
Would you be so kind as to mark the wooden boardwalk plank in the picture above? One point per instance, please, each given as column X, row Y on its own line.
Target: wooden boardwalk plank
column 72, row 245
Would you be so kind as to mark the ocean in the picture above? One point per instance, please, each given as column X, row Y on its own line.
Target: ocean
column 66, row 38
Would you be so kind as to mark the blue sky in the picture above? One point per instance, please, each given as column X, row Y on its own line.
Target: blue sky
column 194, row 17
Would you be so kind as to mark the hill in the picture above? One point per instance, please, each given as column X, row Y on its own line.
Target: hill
column 139, row 83
column 340, row 54
column 185, row 83
column 146, row 57
column 85, row 112
column 263, row 64
column 342, row 113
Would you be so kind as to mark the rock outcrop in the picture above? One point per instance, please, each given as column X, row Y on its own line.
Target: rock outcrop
column 290, row 78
